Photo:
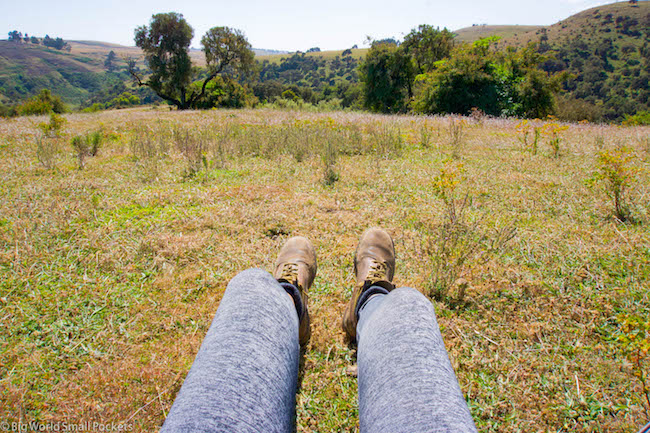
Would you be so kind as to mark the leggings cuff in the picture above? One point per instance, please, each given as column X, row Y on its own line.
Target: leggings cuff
column 366, row 294
column 295, row 294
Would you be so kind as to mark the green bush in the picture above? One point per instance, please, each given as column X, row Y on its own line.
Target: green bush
column 498, row 84
column 43, row 103
column 225, row 93
column 640, row 118
column 97, row 106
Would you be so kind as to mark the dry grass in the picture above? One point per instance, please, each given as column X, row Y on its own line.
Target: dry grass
column 110, row 276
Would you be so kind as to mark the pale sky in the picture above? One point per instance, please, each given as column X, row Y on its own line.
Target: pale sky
column 282, row 25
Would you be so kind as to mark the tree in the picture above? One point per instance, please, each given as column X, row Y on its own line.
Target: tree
column 498, row 83
column 427, row 45
column 57, row 43
column 15, row 36
column 109, row 63
column 166, row 47
column 166, row 42
column 226, row 48
column 387, row 76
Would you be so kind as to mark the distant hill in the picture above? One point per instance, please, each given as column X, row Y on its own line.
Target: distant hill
column 27, row 68
column 597, row 22
column 357, row 53
column 607, row 50
column 476, row 32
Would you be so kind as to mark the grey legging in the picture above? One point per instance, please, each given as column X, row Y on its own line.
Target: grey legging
column 245, row 375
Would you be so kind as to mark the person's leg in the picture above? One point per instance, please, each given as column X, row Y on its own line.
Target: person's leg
column 245, row 374
column 406, row 382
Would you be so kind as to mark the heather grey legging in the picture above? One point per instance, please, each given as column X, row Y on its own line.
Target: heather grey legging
column 245, row 375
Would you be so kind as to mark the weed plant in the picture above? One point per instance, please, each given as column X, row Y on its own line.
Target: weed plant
column 47, row 143
column 617, row 174
column 86, row 145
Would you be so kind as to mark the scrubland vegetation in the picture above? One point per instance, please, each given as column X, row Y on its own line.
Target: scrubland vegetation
column 531, row 238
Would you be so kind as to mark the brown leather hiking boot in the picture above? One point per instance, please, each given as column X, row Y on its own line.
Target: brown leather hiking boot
column 374, row 265
column 296, row 264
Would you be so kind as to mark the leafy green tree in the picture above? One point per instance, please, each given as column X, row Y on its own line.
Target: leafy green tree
column 15, row 36
column 387, row 75
column 57, row 43
column 109, row 63
column 498, row 83
column 428, row 45
column 466, row 80
column 225, row 92
column 166, row 43
column 226, row 48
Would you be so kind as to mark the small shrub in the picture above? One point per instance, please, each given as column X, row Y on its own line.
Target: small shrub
column 96, row 139
column 640, row 118
column 477, row 115
column 451, row 244
column 633, row 337
column 86, row 145
column 7, row 110
column 97, row 106
column 525, row 130
column 47, row 145
column 82, row 149
column 616, row 174
column 554, row 133
column 43, row 103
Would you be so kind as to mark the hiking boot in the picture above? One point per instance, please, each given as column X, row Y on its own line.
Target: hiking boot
column 374, row 265
column 296, row 264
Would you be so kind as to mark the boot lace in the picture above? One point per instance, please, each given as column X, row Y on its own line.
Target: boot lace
column 289, row 273
column 378, row 272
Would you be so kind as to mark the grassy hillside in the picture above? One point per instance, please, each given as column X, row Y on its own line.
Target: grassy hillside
column 27, row 68
column 99, row 50
column 357, row 53
column 474, row 33
column 110, row 276
column 594, row 23
column 607, row 50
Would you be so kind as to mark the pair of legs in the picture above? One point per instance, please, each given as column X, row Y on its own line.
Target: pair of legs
column 244, row 377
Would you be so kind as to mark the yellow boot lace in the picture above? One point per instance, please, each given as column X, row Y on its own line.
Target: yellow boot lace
column 378, row 272
column 289, row 273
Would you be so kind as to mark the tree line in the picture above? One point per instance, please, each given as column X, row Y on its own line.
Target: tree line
column 426, row 73
column 56, row 43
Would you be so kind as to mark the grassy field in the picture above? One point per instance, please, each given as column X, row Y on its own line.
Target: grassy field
column 110, row 276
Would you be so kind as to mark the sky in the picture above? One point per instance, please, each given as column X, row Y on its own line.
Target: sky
column 291, row 25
